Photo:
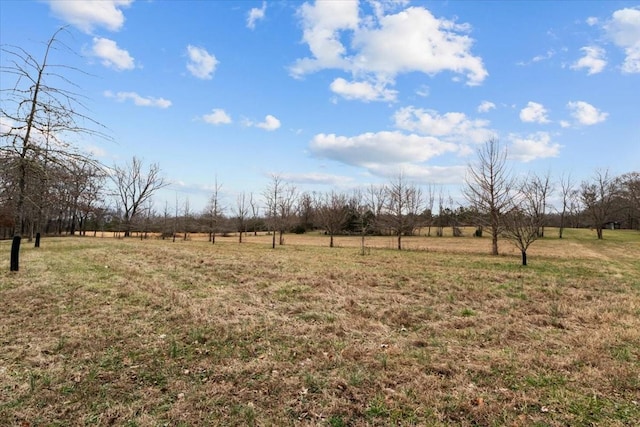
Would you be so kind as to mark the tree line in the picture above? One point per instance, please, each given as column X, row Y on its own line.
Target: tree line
column 49, row 186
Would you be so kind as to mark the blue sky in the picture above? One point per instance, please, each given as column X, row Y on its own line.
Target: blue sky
column 343, row 94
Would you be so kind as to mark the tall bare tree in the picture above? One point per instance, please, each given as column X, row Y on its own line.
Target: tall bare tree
column 40, row 110
column 134, row 187
column 488, row 187
column 597, row 196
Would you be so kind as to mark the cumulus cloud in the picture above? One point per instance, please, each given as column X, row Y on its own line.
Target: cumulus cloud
column 111, row 55
column 585, row 113
column 534, row 113
column 217, row 117
column 452, row 126
column 532, row 147
column 593, row 60
column 369, row 149
column 87, row 15
column 270, row 123
column 624, row 30
column 201, row 63
column 138, row 100
column 384, row 45
column 486, row 106
column 256, row 14
column 363, row 91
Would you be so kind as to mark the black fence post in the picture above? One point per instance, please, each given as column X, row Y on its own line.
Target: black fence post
column 37, row 240
column 15, row 253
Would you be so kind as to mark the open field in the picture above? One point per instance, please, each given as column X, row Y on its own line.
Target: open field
column 101, row 331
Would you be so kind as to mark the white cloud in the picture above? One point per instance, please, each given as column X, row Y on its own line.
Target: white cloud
column 217, row 117
column 201, row 63
column 534, row 112
column 322, row 24
column 451, row 126
column 564, row 124
column 624, row 30
column 139, row 100
column 256, row 14
column 415, row 40
column 585, row 113
column 87, row 15
column 270, row 123
column 591, row 21
column 486, row 106
column 371, row 149
column 593, row 60
column 317, row 178
column 363, row 91
column 532, row 147
column 385, row 45
column 111, row 55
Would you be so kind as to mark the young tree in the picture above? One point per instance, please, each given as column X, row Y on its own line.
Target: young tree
column 272, row 195
column 598, row 196
column 280, row 207
column 404, row 203
column 134, row 187
column 488, row 187
column 214, row 211
column 525, row 216
column 376, row 200
column 241, row 212
column 255, row 212
column 568, row 194
column 332, row 212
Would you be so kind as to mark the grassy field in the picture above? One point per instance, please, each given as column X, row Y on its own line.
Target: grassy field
column 101, row 331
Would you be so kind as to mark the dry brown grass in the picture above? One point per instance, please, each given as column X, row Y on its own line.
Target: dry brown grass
column 130, row 332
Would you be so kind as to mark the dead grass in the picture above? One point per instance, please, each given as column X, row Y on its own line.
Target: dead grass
column 146, row 333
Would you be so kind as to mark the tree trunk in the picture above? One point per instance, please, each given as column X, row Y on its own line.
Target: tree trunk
column 524, row 257
column 331, row 240
column 494, row 243
column 15, row 254
column 599, row 232
column 399, row 241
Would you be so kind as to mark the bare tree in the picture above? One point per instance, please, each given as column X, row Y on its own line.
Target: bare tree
column 525, row 216
column 241, row 212
column 255, row 212
column 287, row 209
column 186, row 219
column 272, row 194
column 568, row 194
column 214, row 211
column 630, row 193
column 134, row 187
column 331, row 212
column 540, row 190
column 376, row 200
column 598, row 196
column 280, row 199
column 404, row 203
column 488, row 187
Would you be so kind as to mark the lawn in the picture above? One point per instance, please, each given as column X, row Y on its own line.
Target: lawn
column 103, row 331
